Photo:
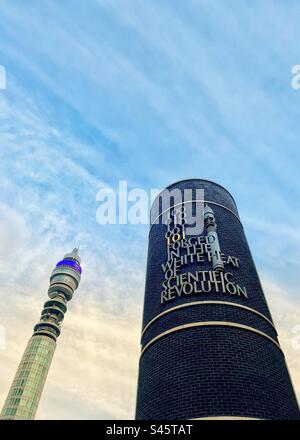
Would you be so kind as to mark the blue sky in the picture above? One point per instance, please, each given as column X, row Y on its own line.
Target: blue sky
column 149, row 92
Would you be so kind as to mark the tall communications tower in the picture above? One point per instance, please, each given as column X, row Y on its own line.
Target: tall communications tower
column 209, row 345
column 25, row 392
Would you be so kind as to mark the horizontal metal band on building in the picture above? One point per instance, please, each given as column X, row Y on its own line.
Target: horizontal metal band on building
column 45, row 334
column 198, row 303
column 209, row 324
column 226, row 418
column 195, row 201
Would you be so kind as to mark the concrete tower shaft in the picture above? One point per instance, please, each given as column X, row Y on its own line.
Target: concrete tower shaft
column 26, row 390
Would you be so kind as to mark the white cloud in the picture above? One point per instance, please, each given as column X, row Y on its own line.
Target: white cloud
column 14, row 232
column 285, row 310
column 97, row 360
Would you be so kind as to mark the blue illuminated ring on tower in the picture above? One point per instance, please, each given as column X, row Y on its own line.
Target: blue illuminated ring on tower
column 70, row 263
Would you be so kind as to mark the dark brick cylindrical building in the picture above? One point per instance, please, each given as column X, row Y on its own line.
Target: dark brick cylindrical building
column 209, row 345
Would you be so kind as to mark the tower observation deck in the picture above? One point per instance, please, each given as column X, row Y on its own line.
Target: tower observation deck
column 25, row 392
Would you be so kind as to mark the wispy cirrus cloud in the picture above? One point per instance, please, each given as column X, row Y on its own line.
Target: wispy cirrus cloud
column 149, row 92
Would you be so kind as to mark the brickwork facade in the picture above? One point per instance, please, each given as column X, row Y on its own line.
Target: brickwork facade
column 211, row 352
